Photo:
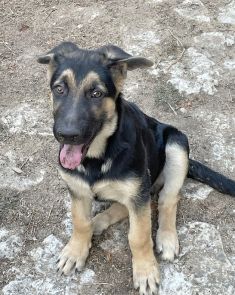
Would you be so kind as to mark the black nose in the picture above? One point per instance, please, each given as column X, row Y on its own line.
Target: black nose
column 68, row 136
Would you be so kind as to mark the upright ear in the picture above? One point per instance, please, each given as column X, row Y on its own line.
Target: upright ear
column 62, row 49
column 120, row 62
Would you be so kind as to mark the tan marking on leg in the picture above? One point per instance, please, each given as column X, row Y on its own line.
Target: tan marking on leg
column 77, row 249
column 146, row 275
column 174, row 173
column 167, row 239
column 115, row 213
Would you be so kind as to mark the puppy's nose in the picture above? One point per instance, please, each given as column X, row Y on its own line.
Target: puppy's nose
column 67, row 136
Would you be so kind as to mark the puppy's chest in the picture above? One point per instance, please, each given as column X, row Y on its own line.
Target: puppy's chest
column 95, row 170
column 100, row 180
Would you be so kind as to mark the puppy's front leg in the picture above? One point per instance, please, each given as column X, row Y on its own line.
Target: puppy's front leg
column 145, row 267
column 76, row 251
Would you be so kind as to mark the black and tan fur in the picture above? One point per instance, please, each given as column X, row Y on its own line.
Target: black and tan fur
column 127, row 153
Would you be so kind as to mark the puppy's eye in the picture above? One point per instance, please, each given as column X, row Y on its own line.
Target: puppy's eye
column 59, row 89
column 96, row 94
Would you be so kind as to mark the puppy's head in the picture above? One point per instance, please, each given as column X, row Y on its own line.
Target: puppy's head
column 84, row 86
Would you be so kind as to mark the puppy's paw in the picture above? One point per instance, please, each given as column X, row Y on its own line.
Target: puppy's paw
column 100, row 223
column 168, row 244
column 146, row 277
column 73, row 255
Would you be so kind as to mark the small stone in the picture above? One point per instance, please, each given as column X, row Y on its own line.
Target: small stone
column 183, row 110
column 87, row 277
column 17, row 170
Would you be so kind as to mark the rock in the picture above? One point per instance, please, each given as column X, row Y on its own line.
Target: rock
column 202, row 267
column 10, row 244
column 42, row 278
column 194, row 73
column 227, row 15
column 193, row 10
column 196, row 191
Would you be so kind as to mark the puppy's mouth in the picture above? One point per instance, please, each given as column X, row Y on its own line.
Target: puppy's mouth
column 72, row 155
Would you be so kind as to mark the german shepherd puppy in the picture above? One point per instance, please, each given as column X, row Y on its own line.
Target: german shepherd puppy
column 111, row 150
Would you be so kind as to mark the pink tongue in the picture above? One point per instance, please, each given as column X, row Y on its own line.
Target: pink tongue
column 71, row 155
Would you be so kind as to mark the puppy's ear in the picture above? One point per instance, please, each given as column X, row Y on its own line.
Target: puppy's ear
column 63, row 49
column 116, row 56
column 55, row 56
column 45, row 59
column 119, row 62
column 136, row 63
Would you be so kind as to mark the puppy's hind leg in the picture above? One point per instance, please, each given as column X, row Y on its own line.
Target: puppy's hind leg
column 115, row 213
column 174, row 173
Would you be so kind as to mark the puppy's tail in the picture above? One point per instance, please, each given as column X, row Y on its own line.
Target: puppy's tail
column 214, row 179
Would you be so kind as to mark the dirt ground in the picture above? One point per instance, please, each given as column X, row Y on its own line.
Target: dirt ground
column 190, row 86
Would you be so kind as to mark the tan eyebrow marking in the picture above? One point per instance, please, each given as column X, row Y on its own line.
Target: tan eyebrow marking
column 69, row 76
column 90, row 78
